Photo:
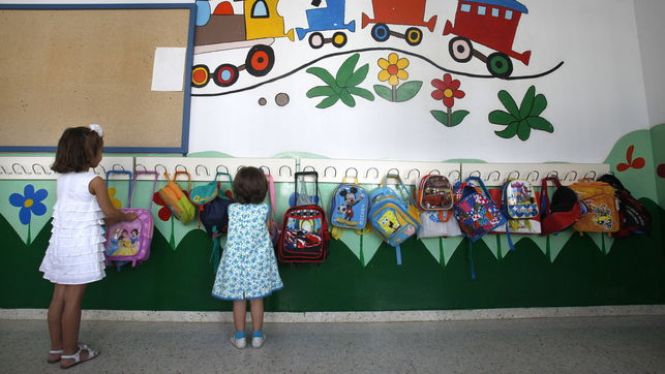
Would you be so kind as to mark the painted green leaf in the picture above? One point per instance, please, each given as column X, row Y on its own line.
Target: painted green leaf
column 509, row 131
column 359, row 91
column 527, row 102
column 358, row 77
column 323, row 74
column 458, row 116
column 346, row 70
column 499, row 117
column 539, row 105
column 327, row 102
column 347, row 98
column 523, row 130
column 440, row 116
column 509, row 103
column 383, row 92
column 540, row 123
column 320, row 91
column 408, row 90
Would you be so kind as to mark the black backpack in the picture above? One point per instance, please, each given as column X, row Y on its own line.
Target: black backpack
column 635, row 218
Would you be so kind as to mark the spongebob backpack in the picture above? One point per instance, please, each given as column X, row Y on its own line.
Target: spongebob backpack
column 394, row 217
column 599, row 205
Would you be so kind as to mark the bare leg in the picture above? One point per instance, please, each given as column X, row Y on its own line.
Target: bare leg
column 71, row 322
column 239, row 313
column 54, row 318
column 256, row 307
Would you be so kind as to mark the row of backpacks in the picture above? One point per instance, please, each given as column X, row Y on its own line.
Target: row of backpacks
column 436, row 209
column 467, row 208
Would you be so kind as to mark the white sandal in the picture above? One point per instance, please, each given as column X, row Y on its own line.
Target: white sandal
column 76, row 357
column 54, row 352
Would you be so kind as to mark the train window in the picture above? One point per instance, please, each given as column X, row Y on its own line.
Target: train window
column 495, row 12
column 260, row 9
column 482, row 10
column 465, row 8
column 509, row 14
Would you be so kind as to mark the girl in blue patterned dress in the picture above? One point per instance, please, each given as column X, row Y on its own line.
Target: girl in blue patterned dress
column 248, row 269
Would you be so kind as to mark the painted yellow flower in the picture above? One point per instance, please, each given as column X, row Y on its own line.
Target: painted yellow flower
column 392, row 69
column 116, row 203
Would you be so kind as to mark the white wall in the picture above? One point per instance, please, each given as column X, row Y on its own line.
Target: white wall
column 594, row 99
column 650, row 15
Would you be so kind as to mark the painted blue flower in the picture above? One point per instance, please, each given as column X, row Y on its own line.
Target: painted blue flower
column 30, row 203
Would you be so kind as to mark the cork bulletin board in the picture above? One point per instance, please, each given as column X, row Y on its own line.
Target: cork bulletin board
column 74, row 65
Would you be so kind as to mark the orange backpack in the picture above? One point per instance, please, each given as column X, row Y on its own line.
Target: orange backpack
column 599, row 207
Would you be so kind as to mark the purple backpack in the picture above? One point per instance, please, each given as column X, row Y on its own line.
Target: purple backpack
column 129, row 242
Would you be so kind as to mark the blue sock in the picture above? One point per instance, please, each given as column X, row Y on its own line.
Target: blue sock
column 257, row 334
column 239, row 334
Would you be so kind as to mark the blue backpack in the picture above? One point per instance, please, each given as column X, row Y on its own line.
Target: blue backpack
column 349, row 206
column 391, row 216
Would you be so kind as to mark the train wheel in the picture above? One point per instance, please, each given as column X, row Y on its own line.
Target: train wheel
column 260, row 60
column 499, row 65
column 316, row 40
column 413, row 36
column 200, row 76
column 225, row 75
column 339, row 39
column 380, row 32
column 460, row 49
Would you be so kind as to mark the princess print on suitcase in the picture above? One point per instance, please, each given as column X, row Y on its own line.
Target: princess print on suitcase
column 248, row 268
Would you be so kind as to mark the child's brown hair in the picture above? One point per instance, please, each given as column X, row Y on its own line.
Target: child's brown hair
column 77, row 149
column 250, row 186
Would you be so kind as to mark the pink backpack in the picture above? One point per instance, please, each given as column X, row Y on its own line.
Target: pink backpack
column 129, row 242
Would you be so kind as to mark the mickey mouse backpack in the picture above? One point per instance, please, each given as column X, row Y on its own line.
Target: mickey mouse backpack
column 129, row 242
column 349, row 206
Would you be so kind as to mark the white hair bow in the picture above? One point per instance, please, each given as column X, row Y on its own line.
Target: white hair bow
column 96, row 128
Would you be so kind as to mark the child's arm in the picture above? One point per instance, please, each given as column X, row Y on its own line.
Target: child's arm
column 97, row 187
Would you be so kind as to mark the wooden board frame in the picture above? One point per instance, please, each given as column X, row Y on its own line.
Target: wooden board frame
column 177, row 143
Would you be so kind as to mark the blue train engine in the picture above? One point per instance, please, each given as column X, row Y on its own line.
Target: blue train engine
column 329, row 18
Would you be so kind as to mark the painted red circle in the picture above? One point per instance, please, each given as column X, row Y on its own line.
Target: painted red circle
column 260, row 60
column 661, row 170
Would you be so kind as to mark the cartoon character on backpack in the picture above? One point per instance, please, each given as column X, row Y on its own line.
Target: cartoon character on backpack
column 350, row 200
column 389, row 222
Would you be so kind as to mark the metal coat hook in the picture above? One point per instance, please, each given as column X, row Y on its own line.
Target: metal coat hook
column 182, row 166
column 266, row 170
column 157, row 167
column 390, row 172
column 434, row 172
column 100, row 167
column 285, row 166
column 308, row 168
column 475, row 173
column 43, row 168
column 223, row 166
column 532, row 172
column 498, row 176
column 516, row 172
column 592, row 173
column 346, row 173
column 455, row 172
column 137, row 166
column 325, row 171
column 4, row 171
column 372, row 168
column 23, row 170
column 565, row 178
column 118, row 167
column 553, row 173
column 408, row 175
column 196, row 170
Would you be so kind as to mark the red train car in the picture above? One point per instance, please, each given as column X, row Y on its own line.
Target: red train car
column 492, row 23
column 398, row 12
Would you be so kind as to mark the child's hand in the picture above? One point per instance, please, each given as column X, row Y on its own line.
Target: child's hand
column 130, row 217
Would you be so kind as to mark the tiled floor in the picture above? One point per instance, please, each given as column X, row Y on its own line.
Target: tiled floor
column 544, row 345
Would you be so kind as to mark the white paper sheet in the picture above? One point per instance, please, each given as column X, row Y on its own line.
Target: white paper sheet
column 168, row 69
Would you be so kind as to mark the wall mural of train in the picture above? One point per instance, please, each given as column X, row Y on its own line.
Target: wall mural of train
column 490, row 23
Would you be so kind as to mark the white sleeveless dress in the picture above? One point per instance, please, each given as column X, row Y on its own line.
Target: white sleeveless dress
column 75, row 254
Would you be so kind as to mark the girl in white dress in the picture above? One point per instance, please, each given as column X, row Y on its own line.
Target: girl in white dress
column 75, row 255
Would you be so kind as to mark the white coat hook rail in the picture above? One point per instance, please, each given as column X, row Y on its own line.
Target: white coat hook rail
column 494, row 175
column 203, row 169
column 373, row 171
column 39, row 167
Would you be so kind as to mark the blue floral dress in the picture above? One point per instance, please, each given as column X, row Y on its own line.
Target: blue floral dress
column 248, row 269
